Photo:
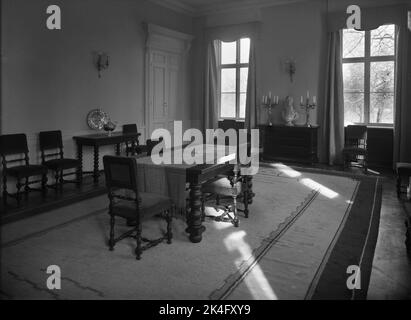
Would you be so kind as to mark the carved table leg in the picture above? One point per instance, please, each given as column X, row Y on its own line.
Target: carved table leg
column 195, row 227
column 80, row 168
column 95, row 171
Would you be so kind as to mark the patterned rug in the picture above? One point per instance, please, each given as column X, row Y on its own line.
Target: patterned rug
column 293, row 246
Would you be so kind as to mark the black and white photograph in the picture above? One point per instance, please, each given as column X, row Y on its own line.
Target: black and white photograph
column 205, row 155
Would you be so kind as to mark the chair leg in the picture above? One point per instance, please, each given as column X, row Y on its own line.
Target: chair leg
column 5, row 194
column 61, row 181
column 18, row 187
column 169, row 224
column 245, row 197
column 26, row 187
column 111, row 240
column 138, row 240
column 236, row 221
column 44, row 184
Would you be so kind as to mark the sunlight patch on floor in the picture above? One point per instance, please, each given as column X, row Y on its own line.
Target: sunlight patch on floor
column 255, row 280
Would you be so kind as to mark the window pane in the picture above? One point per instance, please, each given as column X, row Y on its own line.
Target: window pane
column 244, row 50
column 228, row 80
column 243, row 79
column 353, row 75
column 382, row 106
column 353, row 43
column 243, row 96
column 228, row 52
column 382, row 92
column 383, row 41
column 382, row 76
column 228, row 105
column 353, row 108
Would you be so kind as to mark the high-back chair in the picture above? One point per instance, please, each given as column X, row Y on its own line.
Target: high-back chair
column 121, row 181
column 15, row 145
column 51, row 146
column 133, row 146
column 355, row 146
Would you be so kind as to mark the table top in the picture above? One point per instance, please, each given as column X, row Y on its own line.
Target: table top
column 104, row 138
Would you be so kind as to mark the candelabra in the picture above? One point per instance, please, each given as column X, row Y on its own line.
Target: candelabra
column 269, row 104
column 307, row 105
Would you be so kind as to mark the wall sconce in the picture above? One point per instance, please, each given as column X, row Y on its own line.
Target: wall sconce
column 290, row 68
column 102, row 62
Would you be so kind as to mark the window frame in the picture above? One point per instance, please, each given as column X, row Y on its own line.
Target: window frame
column 367, row 60
column 237, row 66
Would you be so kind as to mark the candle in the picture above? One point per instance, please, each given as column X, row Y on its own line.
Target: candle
column 269, row 95
column 302, row 100
column 308, row 94
column 263, row 100
column 314, row 100
column 277, row 100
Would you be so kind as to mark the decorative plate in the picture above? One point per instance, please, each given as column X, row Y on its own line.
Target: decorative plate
column 96, row 119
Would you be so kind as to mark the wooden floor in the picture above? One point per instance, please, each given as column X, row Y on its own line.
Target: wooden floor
column 35, row 203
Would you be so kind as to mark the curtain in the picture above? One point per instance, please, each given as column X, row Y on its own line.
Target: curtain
column 402, row 132
column 229, row 33
column 251, row 104
column 333, row 113
column 211, row 88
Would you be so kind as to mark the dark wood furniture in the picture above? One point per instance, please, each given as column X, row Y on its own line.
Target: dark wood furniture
column 232, row 187
column 403, row 172
column 97, row 140
column 290, row 143
column 121, row 175
column 355, row 146
column 196, row 176
column 51, row 141
column 132, row 147
column 16, row 145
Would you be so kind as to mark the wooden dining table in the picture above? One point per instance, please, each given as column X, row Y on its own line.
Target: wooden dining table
column 191, row 177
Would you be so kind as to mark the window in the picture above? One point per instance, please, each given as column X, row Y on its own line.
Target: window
column 233, row 76
column 369, row 76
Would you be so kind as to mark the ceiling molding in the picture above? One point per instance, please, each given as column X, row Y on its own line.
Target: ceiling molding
column 176, row 5
column 220, row 7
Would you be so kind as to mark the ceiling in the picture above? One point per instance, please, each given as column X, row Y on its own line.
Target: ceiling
column 203, row 7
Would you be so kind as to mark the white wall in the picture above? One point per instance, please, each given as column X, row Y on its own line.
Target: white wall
column 49, row 80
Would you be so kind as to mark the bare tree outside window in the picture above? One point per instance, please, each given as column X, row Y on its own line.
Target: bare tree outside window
column 369, row 75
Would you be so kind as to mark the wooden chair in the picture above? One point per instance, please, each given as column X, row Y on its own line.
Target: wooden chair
column 52, row 141
column 355, row 146
column 121, row 179
column 16, row 145
column 231, row 187
column 133, row 146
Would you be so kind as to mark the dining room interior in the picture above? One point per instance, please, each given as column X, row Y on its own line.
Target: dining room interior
column 205, row 149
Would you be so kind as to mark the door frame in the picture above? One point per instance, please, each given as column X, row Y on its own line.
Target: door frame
column 160, row 39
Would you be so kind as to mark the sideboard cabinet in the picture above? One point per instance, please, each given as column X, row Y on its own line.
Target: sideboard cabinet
column 290, row 143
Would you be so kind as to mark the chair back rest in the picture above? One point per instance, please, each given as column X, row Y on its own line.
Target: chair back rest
column 13, row 144
column 51, row 140
column 121, row 173
column 356, row 135
column 130, row 128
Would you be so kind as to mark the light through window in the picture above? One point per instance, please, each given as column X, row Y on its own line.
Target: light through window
column 369, row 76
column 233, row 78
